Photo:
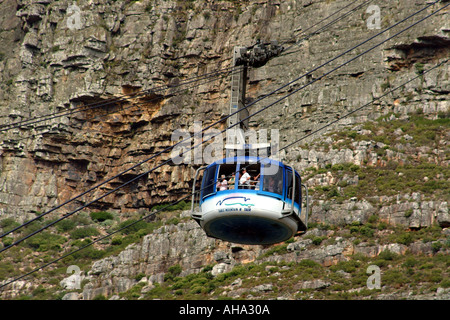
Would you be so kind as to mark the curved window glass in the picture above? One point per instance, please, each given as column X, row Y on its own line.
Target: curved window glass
column 298, row 189
column 209, row 181
column 290, row 186
column 272, row 179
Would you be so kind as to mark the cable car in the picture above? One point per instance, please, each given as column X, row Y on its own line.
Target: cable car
column 249, row 200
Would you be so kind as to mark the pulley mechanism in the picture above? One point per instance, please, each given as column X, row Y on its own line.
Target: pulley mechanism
column 258, row 54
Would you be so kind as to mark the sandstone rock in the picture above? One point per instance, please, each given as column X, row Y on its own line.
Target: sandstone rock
column 220, row 268
column 315, row 284
column 71, row 296
column 125, row 47
column 263, row 287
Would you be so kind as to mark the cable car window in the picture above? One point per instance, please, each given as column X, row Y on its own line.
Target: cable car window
column 249, row 176
column 273, row 182
column 226, row 177
column 209, row 181
column 289, row 184
column 298, row 189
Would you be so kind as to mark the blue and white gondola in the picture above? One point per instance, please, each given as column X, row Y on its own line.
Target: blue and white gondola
column 262, row 212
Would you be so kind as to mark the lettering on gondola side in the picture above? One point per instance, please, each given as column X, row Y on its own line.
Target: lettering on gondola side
column 235, row 210
column 235, row 204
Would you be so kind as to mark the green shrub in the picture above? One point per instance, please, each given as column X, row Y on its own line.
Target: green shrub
column 139, row 276
column 309, row 263
column 175, row 269
column 132, row 226
column 172, row 272
column 354, row 229
column 436, row 246
column 276, row 250
column 45, row 241
column 410, row 262
column 405, row 238
column 385, row 258
column 318, row 240
column 89, row 253
column 333, row 192
column 84, row 233
column 366, row 231
column 8, row 224
column 65, row 225
column 101, row 216
column 337, row 167
column 173, row 221
column 196, row 289
column 387, row 255
column 116, row 241
column 350, row 266
column 445, row 283
column 182, row 205
column 7, row 241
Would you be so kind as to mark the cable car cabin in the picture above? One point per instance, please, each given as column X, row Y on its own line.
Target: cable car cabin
column 249, row 200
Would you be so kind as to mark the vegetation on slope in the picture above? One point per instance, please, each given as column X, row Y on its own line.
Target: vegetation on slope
column 403, row 275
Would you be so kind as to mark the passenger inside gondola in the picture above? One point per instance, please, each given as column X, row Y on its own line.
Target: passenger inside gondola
column 255, row 182
column 249, row 176
column 273, row 182
column 222, row 183
column 231, row 181
column 226, row 178
column 244, row 179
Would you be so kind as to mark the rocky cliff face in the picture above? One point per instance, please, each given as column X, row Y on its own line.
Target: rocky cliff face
column 70, row 59
column 184, row 245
